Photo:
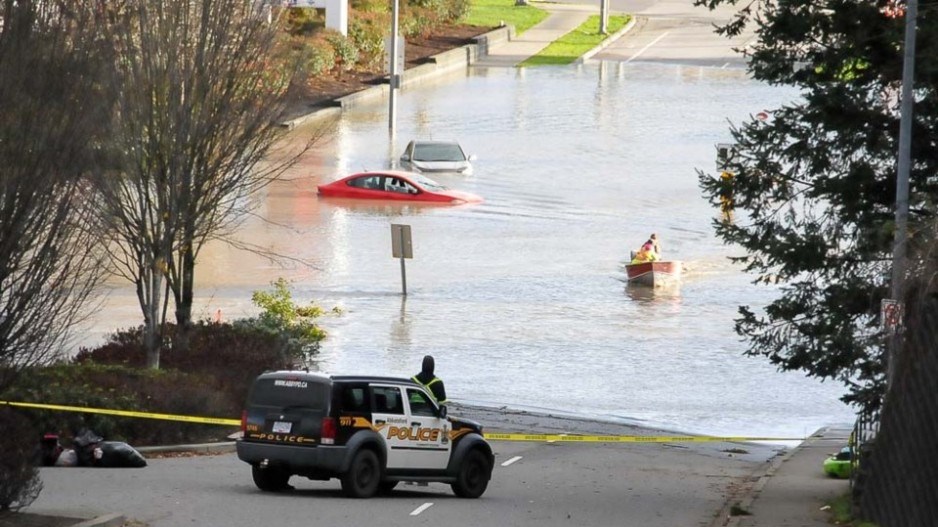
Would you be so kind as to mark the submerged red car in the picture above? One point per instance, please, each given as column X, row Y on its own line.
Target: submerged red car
column 395, row 185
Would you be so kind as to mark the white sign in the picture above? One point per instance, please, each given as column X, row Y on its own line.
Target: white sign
column 336, row 12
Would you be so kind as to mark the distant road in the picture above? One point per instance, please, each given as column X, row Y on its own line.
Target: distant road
column 674, row 31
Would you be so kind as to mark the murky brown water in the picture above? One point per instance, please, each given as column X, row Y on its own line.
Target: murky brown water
column 521, row 298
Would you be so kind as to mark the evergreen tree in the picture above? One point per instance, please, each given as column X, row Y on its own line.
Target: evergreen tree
column 813, row 186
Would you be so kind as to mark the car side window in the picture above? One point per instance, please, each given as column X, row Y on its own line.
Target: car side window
column 353, row 399
column 419, row 403
column 387, row 400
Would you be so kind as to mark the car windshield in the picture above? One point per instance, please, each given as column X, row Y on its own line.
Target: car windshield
column 438, row 152
column 427, row 183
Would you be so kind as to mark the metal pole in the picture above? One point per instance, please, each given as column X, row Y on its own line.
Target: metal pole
column 403, row 272
column 394, row 78
column 902, row 177
column 603, row 17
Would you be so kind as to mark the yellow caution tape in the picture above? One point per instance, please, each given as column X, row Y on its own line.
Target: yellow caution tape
column 125, row 413
column 564, row 438
column 549, row 438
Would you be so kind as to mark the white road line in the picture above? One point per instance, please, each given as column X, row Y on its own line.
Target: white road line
column 421, row 508
column 650, row 44
column 510, row 461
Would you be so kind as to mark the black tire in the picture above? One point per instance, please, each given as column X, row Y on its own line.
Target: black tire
column 473, row 477
column 363, row 475
column 270, row 479
column 387, row 486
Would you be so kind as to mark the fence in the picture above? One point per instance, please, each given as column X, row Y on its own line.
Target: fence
column 895, row 482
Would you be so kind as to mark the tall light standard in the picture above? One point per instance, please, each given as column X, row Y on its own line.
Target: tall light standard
column 395, row 79
column 902, row 178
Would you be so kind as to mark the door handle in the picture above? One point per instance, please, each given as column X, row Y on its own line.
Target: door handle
column 415, row 423
column 379, row 422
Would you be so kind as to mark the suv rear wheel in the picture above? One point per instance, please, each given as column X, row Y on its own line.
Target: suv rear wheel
column 270, row 479
column 363, row 476
column 473, row 476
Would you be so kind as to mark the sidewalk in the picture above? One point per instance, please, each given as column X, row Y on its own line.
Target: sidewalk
column 562, row 19
column 794, row 487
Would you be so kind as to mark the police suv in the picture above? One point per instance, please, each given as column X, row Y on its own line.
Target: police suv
column 370, row 432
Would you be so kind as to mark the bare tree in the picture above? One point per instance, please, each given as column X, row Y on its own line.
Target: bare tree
column 49, row 120
column 200, row 88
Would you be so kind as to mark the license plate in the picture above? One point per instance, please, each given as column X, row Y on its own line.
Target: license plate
column 282, row 427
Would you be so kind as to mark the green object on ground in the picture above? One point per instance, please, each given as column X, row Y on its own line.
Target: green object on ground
column 839, row 465
column 574, row 44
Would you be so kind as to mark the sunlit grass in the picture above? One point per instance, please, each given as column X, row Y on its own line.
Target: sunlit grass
column 577, row 42
column 492, row 13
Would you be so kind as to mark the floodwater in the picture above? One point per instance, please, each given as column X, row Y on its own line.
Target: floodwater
column 522, row 298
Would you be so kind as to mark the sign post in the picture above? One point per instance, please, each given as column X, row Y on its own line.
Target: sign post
column 401, row 247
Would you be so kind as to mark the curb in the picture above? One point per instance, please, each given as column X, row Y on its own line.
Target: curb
column 220, row 448
column 746, row 502
column 108, row 520
column 607, row 42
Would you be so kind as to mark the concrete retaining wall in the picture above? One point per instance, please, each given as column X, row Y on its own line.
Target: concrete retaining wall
column 438, row 65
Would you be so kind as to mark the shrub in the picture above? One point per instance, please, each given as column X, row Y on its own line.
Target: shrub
column 319, row 55
column 124, row 388
column 303, row 21
column 419, row 22
column 346, row 54
column 366, row 31
column 19, row 478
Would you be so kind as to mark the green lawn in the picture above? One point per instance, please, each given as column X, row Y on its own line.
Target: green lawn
column 577, row 42
column 492, row 13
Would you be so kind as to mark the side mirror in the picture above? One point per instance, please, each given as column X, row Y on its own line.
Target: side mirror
column 405, row 157
column 442, row 411
column 472, row 157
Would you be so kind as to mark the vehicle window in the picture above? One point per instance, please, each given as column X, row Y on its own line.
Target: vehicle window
column 438, row 152
column 387, row 400
column 398, row 185
column 427, row 183
column 372, row 182
column 419, row 403
column 289, row 392
column 353, row 399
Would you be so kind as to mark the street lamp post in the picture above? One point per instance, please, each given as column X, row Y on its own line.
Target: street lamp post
column 394, row 77
column 902, row 178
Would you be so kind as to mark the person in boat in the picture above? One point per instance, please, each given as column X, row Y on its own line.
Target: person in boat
column 649, row 252
column 645, row 254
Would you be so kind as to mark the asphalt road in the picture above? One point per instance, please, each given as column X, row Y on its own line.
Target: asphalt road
column 674, row 31
column 534, row 484
column 546, row 484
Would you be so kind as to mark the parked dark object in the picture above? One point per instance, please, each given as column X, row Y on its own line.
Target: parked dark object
column 19, row 478
column 49, row 450
column 94, row 451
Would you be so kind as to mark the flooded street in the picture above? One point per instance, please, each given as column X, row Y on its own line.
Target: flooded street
column 522, row 298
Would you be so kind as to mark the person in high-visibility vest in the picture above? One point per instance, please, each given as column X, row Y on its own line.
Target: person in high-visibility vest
column 430, row 381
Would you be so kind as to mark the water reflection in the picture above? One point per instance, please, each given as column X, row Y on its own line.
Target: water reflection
column 644, row 294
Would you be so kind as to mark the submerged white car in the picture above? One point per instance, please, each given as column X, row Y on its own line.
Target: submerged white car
column 436, row 156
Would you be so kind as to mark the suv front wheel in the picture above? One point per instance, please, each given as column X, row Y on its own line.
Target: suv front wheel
column 473, row 476
column 363, row 475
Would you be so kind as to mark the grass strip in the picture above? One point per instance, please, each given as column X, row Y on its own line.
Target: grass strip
column 574, row 44
column 493, row 13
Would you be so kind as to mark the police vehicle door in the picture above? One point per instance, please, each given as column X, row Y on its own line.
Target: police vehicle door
column 389, row 420
column 429, row 433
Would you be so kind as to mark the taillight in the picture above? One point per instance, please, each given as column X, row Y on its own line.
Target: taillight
column 328, row 430
column 244, row 421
